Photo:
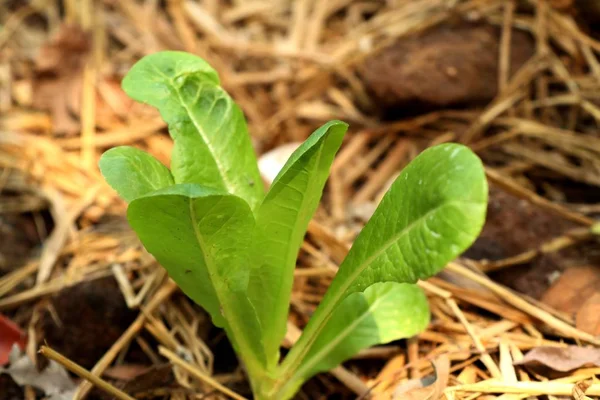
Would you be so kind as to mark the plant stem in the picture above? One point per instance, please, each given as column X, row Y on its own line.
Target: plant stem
column 285, row 376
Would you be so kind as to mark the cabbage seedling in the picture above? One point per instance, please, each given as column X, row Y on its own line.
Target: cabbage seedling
column 232, row 248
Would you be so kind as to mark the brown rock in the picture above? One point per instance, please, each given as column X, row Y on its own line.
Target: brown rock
column 448, row 65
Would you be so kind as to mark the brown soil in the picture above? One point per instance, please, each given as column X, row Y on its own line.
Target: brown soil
column 514, row 226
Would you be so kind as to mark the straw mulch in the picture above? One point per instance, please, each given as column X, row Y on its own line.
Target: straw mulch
column 292, row 66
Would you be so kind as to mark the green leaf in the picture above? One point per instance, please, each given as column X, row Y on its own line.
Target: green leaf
column 432, row 213
column 201, row 237
column 282, row 220
column 384, row 312
column 434, row 210
column 212, row 145
column 133, row 172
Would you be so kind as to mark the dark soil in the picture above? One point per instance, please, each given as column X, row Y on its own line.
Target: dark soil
column 513, row 226
column 92, row 315
column 18, row 239
column 589, row 11
column 9, row 390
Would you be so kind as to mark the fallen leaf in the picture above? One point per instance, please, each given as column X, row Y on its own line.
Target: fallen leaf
column 64, row 50
column 126, row 372
column 546, row 359
column 577, row 292
column 588, row 317
column 573, row 288
column 54, row 381
column 10, row 334
column 430, row 387
column 59, row 67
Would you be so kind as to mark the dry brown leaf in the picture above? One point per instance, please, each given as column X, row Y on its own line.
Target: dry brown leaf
column 126, row 372
column 577, row 291
column 588, row 317
column 560, row 359
column 58, row 84
column 59, row 65
column 573, row 288
column 430, row 387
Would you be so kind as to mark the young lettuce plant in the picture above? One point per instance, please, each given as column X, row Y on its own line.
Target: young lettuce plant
column 232, row 248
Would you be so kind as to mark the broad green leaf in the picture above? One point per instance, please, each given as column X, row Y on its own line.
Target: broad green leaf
column 432, row 213
column 434, row 210
column 201, row 237
column 133, row 172
column 212, row 145
column 384, row 312
column 282, row 220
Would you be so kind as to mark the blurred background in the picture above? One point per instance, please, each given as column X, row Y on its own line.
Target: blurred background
column 516, row 80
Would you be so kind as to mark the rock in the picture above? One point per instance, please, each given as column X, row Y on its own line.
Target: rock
column 448, row 65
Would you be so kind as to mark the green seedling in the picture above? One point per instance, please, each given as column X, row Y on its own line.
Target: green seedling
column 232, row 248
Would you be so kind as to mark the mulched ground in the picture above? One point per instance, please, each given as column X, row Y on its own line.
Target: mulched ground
column 518, row 81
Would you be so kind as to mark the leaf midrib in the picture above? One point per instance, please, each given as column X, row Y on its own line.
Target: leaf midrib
column 338, row 296
column 138, row 168
column 364, row 265
column 201, row 132
column 290, row 255
column 208, row 143
column 238, row 334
